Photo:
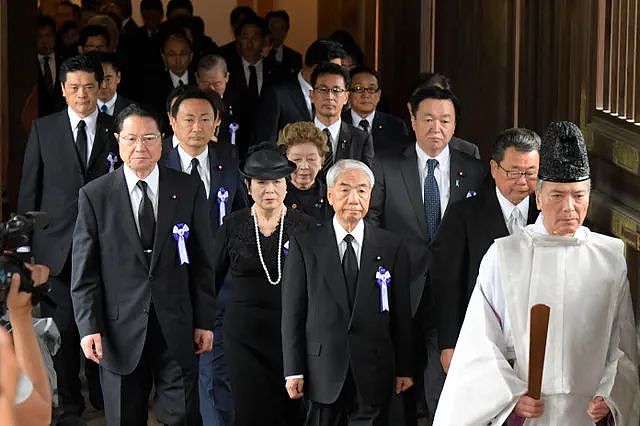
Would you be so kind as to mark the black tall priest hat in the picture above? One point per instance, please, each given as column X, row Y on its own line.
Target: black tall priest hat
column 563, row 154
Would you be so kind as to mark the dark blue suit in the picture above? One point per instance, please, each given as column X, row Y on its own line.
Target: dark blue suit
column 214, row 384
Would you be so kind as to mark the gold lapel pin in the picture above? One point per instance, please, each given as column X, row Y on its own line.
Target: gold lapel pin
column 174, row 197
column 378, row 258
column 219, row 166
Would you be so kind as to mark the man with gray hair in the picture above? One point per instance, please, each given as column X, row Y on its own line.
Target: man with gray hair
column 471, row 225
column 590, row 366
column 346, row 331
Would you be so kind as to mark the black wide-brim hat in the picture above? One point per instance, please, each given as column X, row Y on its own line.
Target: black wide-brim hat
column 265, row 161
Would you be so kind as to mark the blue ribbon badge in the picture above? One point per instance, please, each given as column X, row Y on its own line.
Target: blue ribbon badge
column 180, row 234
column 223, row 196
column 233, row 128
column 112, row 159
column 285, row 248
column 383, row 278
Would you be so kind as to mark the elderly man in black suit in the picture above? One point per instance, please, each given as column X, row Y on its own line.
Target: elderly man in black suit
column 109, row 100
column 471, row 226
column 346, row 332
column 388, row 132
column 142, row 279
column 329, row 95
column 413, row 189
column 290, row 101
column 66, row 150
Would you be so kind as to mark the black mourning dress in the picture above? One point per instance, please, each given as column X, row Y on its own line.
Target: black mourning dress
column 253, row 343
column 312, row 201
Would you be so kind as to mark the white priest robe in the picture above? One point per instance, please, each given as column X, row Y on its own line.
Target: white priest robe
column 591, row 349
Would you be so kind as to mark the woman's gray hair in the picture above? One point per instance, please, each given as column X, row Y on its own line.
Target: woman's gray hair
column 343, row 166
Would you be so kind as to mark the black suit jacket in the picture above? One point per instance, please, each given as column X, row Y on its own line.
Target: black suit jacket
column 280, row 105
column 354, row 143
column 50, row 99
column 245, row 105
column 322, row 337
column 291, row 60
column 51, row 177
column 121, row 103
column 388, row 132
column 396, row 204
column 113, row 284
column 466, row 232
column 224, row 172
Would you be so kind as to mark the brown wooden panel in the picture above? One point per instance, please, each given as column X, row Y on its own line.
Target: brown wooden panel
column 604, row 26
column 622, row 58
column 636, row 90
column 632, row 29
column 615, row 54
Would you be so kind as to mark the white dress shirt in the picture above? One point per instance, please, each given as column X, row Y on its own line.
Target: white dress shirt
column 203, row 166
column 507, row 208
column 441, row 172
column 111, row 104
column 356, row 119
column 358, row 238
column 176, row 79
column 306, row 88
column 334, row 130
column 135, row 194
column 174, row 140
column 91, row 121
column 259, row 73
column 52, row 65
column 279, row 53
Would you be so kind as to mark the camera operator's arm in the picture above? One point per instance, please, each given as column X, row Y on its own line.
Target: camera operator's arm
column 36, row 409
column 9, row 373
column 86, row 287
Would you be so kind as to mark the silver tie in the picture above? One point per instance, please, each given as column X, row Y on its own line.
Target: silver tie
column 515, row 221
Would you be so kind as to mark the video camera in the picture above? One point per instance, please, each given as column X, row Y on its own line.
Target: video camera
column 15, row 242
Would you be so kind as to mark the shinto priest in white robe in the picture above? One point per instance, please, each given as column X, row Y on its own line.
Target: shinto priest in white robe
column 591, row 343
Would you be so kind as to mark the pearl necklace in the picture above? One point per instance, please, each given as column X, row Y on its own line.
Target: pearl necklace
column 264, row 265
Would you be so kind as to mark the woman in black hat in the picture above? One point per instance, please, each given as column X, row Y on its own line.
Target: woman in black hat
column 253, row 244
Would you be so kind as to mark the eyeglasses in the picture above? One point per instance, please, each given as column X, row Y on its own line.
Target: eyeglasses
column 360, row 90
column 146, row 140
column 517, row 174
column 323, row 90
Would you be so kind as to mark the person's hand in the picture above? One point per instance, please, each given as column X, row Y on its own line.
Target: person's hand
column 18, row 302
column 39, row 273
column 9, row 371
column 203, row 340
column 92, row 347
column 529, row 408
column 597, row 409
column 445, row 358
column 403, row 383
column 295, row 388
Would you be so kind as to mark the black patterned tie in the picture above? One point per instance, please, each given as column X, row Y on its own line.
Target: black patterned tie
column 81, row 143
column 146, row 219
column 194, row 168
column 350, row 268
column 104, row 108
column 48, row 78
column 431, row 199
column 364, row 124
column 328, row 160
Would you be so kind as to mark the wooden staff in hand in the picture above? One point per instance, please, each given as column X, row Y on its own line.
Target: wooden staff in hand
column 530, row 405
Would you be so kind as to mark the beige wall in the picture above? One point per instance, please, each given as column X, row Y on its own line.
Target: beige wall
column 303, row 13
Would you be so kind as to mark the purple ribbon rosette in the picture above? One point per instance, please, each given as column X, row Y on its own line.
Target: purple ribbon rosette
column 383, row 278
column 112, row 159
column 233, row 128
column 223, row 196
column 180, row 234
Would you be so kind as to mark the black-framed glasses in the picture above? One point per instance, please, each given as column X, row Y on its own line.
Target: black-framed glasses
column 324, row 90
column 359, row 90
column 517, row 174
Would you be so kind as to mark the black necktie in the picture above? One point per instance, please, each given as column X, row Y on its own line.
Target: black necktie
column 431, row 199
column 350, row 268
column 180, row 82
column 253, row 82
column 364, row 124
column 48, row 78
column 194, row 168
column 104, row 108
column 146, row 219
column 328, row 160
column 81, row 143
